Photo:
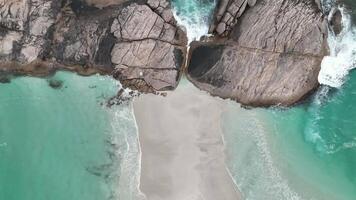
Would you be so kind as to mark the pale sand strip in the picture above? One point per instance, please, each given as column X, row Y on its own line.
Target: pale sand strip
column 182, row 147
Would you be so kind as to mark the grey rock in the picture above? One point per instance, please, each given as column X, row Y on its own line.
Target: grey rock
column 271, row 56
column 148, row 47
column 137, row 42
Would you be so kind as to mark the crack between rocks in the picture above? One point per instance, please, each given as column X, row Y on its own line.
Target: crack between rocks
column 237, row 46
column 123, row 40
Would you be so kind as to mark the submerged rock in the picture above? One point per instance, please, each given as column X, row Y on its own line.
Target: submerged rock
column 55, row 84
column 270, row 54
column 336, row 21
column 4, row 79
column 135, row 40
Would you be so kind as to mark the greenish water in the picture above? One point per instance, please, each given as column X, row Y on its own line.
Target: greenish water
column 63, row 143
column 306, row 152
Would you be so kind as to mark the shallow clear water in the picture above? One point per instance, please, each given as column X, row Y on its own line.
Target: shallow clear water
column 62, row 143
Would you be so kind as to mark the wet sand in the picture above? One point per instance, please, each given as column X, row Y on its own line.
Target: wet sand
column 182, row 147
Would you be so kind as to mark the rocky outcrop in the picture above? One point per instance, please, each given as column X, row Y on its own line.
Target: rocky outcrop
column 263, row 53
column 136, row 41
column 227, row 14
column 269, row 54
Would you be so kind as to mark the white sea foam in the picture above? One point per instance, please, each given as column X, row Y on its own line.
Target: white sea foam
column 342, row 59
column 125, row 133
column 194, row 17
column 255, row 173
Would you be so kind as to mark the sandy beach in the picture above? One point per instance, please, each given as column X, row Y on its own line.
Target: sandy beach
column 182, row 147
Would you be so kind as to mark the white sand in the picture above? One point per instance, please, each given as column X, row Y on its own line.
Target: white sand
column 182, row 147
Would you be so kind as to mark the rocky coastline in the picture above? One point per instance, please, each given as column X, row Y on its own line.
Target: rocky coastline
column 136, row 41
column 262, row 52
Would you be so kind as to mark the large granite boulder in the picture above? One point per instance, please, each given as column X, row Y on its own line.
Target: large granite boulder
column 271, row 54
column 149, row 47
column 136, row 41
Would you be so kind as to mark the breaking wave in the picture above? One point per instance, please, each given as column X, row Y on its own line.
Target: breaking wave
column 194, row 15
column 342, row 58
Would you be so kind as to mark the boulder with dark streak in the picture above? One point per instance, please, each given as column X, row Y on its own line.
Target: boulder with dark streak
column 270, row 54
column 137, row 41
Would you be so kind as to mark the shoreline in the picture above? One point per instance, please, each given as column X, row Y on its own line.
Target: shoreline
column 183, row 152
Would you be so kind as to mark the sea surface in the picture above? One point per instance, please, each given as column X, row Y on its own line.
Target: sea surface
column 64, row 142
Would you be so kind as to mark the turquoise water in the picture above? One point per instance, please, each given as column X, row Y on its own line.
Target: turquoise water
column 307, row 152
column 304, row 152
column 63, row 143
column 194, row 15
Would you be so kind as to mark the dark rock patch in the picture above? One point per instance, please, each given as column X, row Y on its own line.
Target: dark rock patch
column 336, row 21
column 179, row 58
column 55, row 84
column 80, row 6
column 5, row 79
column 203, row 58
column 103, row 56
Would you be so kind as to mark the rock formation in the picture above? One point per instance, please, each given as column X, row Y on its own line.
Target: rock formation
column 264, row 53
column 135, row 40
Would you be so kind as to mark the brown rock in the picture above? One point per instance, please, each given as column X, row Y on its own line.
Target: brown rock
column 272, row 56
column 136, row 42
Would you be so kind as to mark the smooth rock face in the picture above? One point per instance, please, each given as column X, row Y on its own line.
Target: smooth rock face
column 135, row 40
column 271, row 56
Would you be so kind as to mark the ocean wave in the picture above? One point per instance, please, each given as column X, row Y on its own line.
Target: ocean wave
column 256, row 173
column 342, row 58
column 194, row 15
column 125, row 135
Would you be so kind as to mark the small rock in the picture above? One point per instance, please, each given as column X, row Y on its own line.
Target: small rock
column 336, row 21
column 55, row 84
column 5, row 79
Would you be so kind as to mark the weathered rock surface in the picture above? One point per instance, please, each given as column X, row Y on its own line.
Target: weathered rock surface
column 135, row 40
column 271, row 55
column 264, row 52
